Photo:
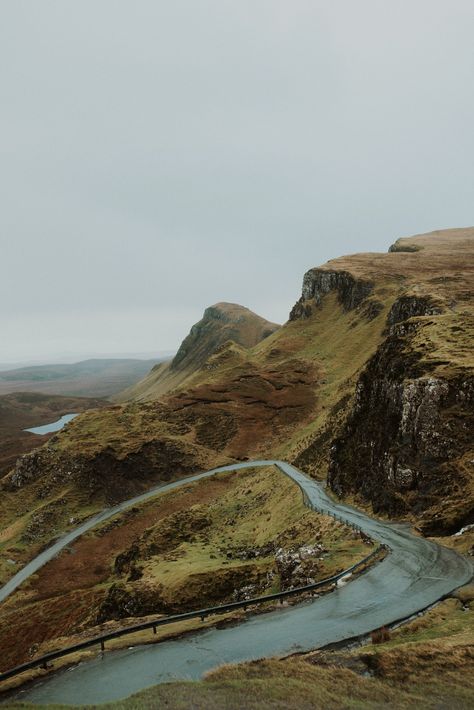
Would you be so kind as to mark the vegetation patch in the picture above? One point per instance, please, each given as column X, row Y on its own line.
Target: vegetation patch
column 234, row 536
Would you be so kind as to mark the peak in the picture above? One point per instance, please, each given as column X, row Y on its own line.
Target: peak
column 229, row 307
column 223, row 325
column 230, row 310
column 220, row 323
column 233, row 312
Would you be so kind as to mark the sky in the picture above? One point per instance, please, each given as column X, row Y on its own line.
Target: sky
column 157, row 157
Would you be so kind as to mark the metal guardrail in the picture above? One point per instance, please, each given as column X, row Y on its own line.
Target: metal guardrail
column 43, row 661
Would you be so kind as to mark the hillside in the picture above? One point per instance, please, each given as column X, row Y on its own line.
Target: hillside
column 213, row 541
column 386, row 334
column 88, row 378
column 369, row 383
column 24, row 410
column 221, row 324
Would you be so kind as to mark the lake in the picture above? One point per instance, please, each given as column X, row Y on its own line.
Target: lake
column 54, row 426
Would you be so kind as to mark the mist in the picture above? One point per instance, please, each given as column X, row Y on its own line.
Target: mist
column 159, row 157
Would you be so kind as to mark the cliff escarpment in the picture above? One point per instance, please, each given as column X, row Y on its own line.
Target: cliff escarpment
column 369, row 384
column 407, row 444
column 351, row 291
column 400, row 433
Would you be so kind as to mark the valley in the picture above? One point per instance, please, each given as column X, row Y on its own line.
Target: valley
column 369, row 385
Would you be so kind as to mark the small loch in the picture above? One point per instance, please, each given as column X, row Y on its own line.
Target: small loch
column 54, row 426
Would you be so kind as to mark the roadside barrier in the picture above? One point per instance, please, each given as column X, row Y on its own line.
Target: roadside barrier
column 43, row 661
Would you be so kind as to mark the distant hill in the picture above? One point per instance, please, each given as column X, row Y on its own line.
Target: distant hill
column 88, row 378
column 223, row 326
column 369, row 384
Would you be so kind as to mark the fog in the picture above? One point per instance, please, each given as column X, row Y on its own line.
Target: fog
column 157, row 157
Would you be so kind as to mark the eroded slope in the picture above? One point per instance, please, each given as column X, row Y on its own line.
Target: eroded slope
column 369, row 383
column 227, row 538
column 221, row 324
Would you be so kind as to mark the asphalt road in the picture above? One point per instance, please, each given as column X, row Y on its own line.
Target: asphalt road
column 414, row 575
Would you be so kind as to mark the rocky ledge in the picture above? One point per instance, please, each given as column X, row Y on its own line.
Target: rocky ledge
column 106, row 475
column 405, row 442
column 411, row 306
column 351, row 291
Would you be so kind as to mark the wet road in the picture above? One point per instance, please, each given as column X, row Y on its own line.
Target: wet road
column 415, row 574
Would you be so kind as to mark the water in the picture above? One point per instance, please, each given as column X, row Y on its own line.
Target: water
column 54, row 426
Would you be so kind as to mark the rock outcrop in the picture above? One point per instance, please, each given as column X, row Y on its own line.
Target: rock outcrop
column 105, row 475
column 219, row 324
column 351, row 291
column 410, row 306
column 405, row 439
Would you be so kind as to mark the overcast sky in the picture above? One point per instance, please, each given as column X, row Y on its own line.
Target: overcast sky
column 159, row 156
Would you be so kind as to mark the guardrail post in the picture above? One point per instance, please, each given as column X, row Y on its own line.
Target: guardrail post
column 102, row 646
column 154, row 629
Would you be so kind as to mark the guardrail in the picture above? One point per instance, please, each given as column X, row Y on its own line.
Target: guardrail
column 43, row 661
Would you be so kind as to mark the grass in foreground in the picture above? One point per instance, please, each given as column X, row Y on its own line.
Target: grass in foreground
column 426, row 664
column 292, row 684
column 181, row 565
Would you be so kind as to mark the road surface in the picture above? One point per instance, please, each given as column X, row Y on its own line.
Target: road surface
column 414, row 575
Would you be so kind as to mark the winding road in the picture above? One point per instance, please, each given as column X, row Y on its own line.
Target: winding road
column 413, row 576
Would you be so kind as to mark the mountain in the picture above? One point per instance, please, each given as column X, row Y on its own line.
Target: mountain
column 88, row 378
column 224, row 324
column 403, row 439
column 369, row 383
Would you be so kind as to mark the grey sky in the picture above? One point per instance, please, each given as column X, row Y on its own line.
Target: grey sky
column 157, row 157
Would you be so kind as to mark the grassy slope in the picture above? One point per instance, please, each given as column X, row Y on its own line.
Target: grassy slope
column 220, row 324
column 289, row 393
column 23, row 410
column 181, row 564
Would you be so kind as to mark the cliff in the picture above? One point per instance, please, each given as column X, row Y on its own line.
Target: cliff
column 317, row 283
column 369, row 384
column 407, row 444
column 219, row 324
column 403, row 440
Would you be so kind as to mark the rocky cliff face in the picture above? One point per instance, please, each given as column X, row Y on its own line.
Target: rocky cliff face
column 410, row 306
column 401, row 433
column 351, row 291
column 219, row 324
column 106, row 475
column 406, row 439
